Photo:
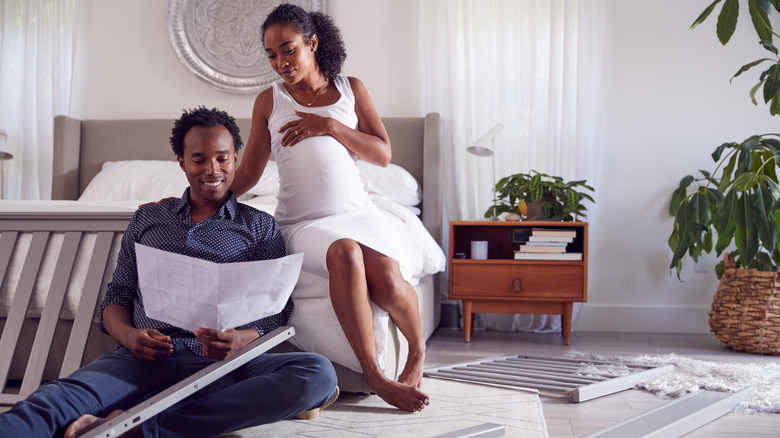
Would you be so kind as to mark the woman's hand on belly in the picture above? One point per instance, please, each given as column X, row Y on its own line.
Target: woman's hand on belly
column 309, row 125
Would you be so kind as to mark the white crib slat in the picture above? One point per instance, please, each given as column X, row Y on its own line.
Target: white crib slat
column 7, row 243
column 80, row 331
column 51, row 312
column 21, row 301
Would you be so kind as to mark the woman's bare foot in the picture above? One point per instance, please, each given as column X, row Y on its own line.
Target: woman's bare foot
column 413, row 370
column 85, row 423
column 401, row 395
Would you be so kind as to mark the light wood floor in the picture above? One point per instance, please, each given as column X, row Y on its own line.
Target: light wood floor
column 565, row 419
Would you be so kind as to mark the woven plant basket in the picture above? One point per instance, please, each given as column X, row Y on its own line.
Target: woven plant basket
column 745, row 312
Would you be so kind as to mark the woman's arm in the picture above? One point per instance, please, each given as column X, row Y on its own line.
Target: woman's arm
column 369, row 141
column 258, row 146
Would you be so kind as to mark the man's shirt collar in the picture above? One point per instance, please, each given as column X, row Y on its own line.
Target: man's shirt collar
column 227, row 211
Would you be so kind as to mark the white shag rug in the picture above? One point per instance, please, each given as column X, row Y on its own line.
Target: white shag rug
column 690, row 375
column 454, row 406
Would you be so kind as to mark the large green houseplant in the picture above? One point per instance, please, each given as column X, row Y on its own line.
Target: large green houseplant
column 737, row 207
column 738, row 202
column 554, row 198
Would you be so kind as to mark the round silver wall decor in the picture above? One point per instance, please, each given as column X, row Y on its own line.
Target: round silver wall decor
column 219, row 40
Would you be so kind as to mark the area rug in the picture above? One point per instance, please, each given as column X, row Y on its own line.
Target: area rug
column 690, row 375
column 454, row 406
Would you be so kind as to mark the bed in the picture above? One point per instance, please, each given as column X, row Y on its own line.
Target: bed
column 57, row 256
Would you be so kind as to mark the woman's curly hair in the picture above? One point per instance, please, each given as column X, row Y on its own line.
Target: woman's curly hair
column 330, row 54
column 208, row 118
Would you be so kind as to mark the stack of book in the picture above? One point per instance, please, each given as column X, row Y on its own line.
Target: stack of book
column 548, row 244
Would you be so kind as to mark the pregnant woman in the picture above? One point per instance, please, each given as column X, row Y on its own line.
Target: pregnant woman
column 318, row 123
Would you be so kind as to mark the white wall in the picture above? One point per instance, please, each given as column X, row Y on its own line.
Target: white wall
column 668, row 104
column 126, row 66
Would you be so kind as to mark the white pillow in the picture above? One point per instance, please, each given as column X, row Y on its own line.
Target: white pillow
column 131, row 180
column 151, row 180
column 393, row 182
column 269, row 182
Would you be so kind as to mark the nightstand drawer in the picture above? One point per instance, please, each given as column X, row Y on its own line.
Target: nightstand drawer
column 514, row 280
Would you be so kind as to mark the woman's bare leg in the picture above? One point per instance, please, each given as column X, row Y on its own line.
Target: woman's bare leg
column 351, row 302
column 396, row 296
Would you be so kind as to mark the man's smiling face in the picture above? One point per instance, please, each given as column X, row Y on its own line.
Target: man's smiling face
column 209, row 162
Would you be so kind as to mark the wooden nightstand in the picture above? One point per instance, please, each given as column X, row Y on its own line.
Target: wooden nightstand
column 502, row 284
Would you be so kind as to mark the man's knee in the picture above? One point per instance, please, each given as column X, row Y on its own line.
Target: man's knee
column 324, row 367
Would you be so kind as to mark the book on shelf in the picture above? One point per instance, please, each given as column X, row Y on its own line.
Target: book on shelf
column 548, row 256
column 545, row 243
column 550, row 239
column 543, row 249
column 553, row 232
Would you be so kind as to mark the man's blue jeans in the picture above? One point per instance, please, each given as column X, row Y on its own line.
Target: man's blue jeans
column 269, row 388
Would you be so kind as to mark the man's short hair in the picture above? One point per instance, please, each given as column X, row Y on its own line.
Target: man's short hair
column 208, row 118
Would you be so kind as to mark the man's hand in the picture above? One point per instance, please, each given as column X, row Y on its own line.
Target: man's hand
column 148, row 345
column 222, row 344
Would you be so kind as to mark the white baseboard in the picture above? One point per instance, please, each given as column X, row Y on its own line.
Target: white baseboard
column 642, row 319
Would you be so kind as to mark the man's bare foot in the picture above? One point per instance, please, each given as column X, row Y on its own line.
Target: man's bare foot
column 401, row 395
column 85, row 423
column 413, row 370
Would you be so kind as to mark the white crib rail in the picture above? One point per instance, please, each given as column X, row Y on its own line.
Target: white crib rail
column 107, row 226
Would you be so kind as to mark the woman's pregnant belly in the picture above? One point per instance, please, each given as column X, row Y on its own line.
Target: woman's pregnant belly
column 318, row 177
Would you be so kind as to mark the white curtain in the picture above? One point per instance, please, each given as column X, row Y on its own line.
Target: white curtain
column 36, row 64
column 536, row 67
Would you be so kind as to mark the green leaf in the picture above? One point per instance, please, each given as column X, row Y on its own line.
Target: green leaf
column 745, row 236
column 761, row 219
column 706, row 243
column 727, row 20
column 719, row 150
column 677, row 198
column 725, row 179
column 772, row 186
column 706, row 13
column 746, row 181
column 771, row 143
column 769, row 46
column 754, row 90
column 765, row 6
column 747, row 67
column 772, row 84
column 715, row 198
column 762, row 262
column 720, row 268
column 704, row 210
column 686, row 181
column 726, row 222
column 776, row 4
column 774, row 107
column 758, row 13
column 679, row 251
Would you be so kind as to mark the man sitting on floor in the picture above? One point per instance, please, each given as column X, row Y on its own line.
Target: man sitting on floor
column 206, row 222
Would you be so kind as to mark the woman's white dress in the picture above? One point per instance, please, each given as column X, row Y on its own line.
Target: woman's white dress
column 322, row 199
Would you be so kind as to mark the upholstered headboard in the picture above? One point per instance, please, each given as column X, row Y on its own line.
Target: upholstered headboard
column 82, row 146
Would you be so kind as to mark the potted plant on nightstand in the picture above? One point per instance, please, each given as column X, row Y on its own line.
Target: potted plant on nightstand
column 737, row 208
column 538, row 196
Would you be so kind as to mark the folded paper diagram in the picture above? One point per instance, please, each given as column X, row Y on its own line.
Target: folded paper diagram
column 192, row 293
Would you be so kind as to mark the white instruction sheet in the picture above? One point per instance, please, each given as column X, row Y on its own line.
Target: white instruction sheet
column 191, row 293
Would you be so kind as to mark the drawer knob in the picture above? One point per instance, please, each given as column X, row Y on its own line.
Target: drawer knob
column 516, row 285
